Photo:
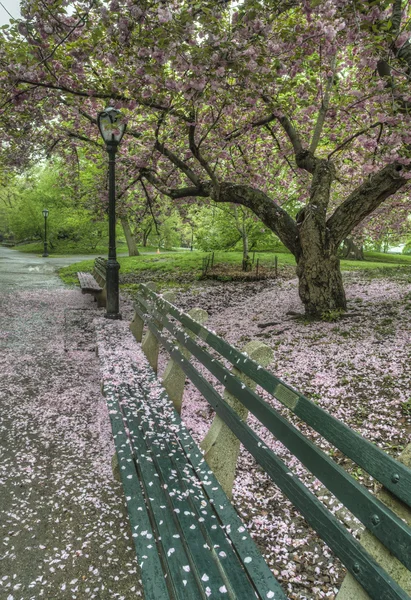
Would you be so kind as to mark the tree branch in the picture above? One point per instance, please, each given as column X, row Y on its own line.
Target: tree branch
column 364, row 200
column 272, row 215
column 323, row 108
column 103, row 96
column 197, row 154
column 240, row 130
column 83, row 138
column 275, row 138
column 202, row 190
column 177, row 162
column 352, row 137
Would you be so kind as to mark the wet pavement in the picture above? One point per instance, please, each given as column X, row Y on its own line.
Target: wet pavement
column 21, row 270
column 64, row 531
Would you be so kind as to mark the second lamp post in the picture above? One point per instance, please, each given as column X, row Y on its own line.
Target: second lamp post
column 112, row 128
column 45, row 215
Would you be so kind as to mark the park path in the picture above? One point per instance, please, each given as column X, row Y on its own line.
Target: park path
column 63, row 527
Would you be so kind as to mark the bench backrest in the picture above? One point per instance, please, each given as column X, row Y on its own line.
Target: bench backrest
column 99, row 270
column 392, row 532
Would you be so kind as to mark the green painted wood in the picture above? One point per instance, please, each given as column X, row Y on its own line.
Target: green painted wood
column 201, row 562
column 384, row 524
column 152, row 574
column 376, row 582
column 198, row 534
column 392, row 474
column 194, row 505
column 257, row 569
column 172, row 549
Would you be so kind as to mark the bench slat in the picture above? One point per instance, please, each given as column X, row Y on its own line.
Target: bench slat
column 245, row 547
column 389, row 528
column 392, row 474
column 361, row 565
column 88, row 283
column 183, row 582
column 192, row 553
column 151, row 569
column 174, row 466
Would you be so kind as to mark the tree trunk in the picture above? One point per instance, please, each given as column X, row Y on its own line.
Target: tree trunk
column 351, row 251
column 242, row 230
column 146, row 233
column 131, row 242
column 320, row 284
column 318, row 267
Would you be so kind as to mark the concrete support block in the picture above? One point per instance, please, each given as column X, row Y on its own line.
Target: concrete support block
column 350, row 589
column 221, row 447
column 150, row 345
column 137, row 324
column 102, row 297
column 174, row 378
column 136, row 327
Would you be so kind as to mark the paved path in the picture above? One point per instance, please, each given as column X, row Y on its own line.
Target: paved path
column 63, row 529
column 21, row 270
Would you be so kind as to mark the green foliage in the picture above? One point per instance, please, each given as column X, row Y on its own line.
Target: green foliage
column 331, row 316
column 406, row 407
column 70, row 217
column 222, row 227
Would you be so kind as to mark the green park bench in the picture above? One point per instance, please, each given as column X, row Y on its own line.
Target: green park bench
column 189, row 540
column 95, row 283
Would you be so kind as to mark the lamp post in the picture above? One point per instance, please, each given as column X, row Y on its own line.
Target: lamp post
column 112, row 128
column 45, row 215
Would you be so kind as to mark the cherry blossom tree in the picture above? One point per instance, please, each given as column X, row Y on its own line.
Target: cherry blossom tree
column 260, row 103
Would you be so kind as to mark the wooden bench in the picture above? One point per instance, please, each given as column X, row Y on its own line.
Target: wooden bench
column 95, row 283
column 189, row 540
column 156, row 451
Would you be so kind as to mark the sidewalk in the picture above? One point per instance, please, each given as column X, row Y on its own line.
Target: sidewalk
column 63, row 526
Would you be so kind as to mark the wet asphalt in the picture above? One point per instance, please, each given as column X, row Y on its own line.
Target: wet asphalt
column 19, row 270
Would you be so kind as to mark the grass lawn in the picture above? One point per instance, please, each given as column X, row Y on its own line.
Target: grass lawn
column 64, row 248
column 171, row 266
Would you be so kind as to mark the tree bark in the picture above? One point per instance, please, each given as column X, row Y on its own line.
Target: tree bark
column 131, row 242
column 320, row 284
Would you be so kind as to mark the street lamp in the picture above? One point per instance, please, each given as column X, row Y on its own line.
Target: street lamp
column 45, row 215
column 112, row 128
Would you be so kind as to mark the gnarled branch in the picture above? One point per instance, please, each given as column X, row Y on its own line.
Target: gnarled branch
column 364, row 200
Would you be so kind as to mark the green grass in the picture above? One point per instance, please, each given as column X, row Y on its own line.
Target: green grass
column 68, row 248
column 170, row 266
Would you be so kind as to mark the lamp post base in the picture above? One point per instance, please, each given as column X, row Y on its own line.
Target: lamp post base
column 45, row 253
column 112, row 284
column 115, row 316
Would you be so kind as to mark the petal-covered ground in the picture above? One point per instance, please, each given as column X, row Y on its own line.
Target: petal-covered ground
column 63, row 526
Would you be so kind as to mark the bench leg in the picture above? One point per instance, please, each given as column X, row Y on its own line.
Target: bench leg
column 101, row 298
